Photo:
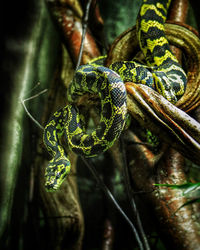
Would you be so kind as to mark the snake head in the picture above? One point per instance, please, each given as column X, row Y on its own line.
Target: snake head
column 56, row 172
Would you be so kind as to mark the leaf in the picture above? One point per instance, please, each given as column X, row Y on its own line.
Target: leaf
column 191, row 189
column 188, row 203
column 189, row 186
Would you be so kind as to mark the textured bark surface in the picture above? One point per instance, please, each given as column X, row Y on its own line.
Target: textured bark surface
column 178, row 230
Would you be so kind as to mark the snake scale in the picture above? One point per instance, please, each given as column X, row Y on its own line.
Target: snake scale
column 162, row 73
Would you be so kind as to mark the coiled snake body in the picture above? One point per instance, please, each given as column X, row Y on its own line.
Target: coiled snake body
column 162, row 73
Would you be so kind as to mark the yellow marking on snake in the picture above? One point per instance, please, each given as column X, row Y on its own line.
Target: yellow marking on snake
column 146, row 25
column 156, row 42
column 147, row 7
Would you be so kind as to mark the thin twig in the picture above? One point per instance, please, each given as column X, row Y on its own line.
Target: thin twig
column 84, row 28
column 28, row 113
column 130, row 196
column 110, row 196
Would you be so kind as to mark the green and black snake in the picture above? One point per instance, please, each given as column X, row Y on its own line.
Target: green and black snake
column 162, row 73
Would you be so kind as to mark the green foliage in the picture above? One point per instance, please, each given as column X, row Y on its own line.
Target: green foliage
column 190, row 190
column 151, row 138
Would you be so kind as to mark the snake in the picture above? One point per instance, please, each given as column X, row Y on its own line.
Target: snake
column 162, row 72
